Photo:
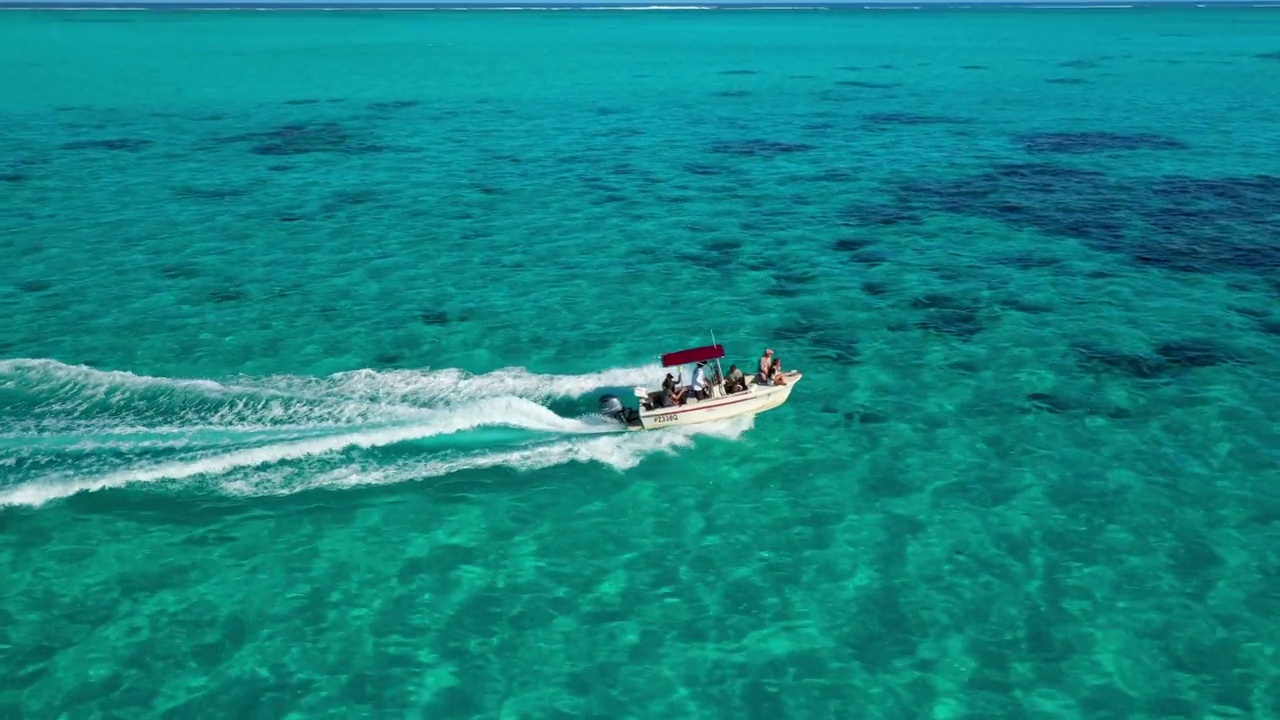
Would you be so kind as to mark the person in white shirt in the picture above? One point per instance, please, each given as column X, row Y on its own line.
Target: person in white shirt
column 698, row 385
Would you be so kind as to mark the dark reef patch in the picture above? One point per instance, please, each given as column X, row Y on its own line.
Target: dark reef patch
column 1025, row 306
column 302, row 101
column 1193, row 224
column 865, row 417
column 1196, row 354
column 610, row 199
column 723, row 247
column 880, row 215
column 825, row 343
column 348, row 198
column 950, row 315
column 795, row 277
column 1096, row 141
column 1066, row 81
column 1168, row 358
column 394, row 105
column 303, row 139
column 832, row 175
column 434, row 317
column 868, row 85
column 191, row 192
column 280, row 168
column 732, row 93
column 875, row 289
column 1253, row 313
column 34, row 286
column 1079, row 64
column 852, row 244
column 943, row 301
column 962, row 324
column 1099, row 359
column 759, row 148
column 290, row 218
column 1028, row 262
column 870, row 258
column 912, row 119
column 1045, row 174
column 973, row 67
column 1172, row 222
column 739, row 72
column 701, row 260
column 1055, row 404
column 179, row 272
column 1268, row 56
column 126, row 144
column 1047, row 402
column 13, row 177
column 227, row 295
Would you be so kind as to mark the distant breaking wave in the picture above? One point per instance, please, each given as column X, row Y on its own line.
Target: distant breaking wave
column 68, row 429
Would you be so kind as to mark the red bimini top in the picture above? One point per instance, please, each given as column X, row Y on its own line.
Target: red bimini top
column 693, row 355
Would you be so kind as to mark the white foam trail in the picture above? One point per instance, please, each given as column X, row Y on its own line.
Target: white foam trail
column 76, row 429
column 445, row 385
column 620, row 451
column 68, row 393
column 492, row 412
column 425, row 383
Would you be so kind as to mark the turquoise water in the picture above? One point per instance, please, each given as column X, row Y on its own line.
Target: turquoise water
column 305, row 314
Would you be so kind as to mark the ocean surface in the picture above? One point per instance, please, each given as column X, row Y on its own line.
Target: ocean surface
column 304, row 315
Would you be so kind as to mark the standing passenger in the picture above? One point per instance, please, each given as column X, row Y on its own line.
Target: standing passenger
column 762, row 375
column 698, row 385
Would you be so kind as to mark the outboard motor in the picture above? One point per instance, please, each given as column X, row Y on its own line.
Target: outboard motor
column 612, row 407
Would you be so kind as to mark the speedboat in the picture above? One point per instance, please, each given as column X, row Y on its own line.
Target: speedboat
column 718, row 405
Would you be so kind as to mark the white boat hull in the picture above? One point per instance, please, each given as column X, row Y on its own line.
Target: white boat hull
column 755, row 399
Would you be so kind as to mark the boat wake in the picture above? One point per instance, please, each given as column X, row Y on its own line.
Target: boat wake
column 68, row 429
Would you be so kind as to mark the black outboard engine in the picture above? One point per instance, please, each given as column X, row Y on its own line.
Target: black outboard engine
column 612, row 407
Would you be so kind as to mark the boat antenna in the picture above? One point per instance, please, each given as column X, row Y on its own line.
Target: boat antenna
column 719, row 368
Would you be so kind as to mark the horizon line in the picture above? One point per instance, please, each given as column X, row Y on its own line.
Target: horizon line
column 621, row 4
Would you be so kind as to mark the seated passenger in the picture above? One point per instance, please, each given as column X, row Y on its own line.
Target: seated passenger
column 775, row 373
column 669, row 383
column 672, row 396
column 734, row 381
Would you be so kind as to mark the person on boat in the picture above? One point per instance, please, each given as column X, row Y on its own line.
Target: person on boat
column 762, row 373
column 672, row 396
column 775, row 373
column 698, row 385
column 734, row 381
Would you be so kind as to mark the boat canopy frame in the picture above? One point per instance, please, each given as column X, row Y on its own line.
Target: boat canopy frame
column 693, row 355
column 714, row 351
